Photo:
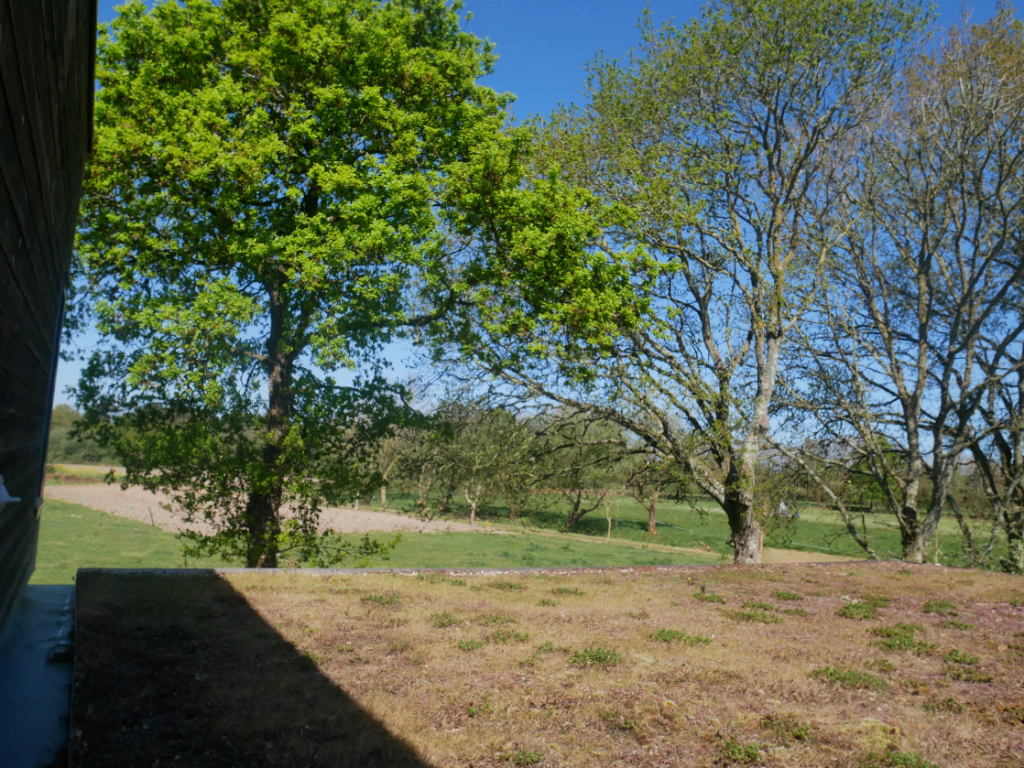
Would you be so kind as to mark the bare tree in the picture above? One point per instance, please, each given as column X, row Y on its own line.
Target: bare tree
column 918, row 325
column 710, row 152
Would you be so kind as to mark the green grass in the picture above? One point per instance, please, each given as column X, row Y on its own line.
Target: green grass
column 72, row 536
column 691, row 525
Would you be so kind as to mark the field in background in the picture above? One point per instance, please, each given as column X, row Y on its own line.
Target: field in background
column 73, row 536
column 866, row 665
column 703, row 524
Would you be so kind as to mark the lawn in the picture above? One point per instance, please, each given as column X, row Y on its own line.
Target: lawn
column 703, row 524
column 73, row 536
column 861, row 665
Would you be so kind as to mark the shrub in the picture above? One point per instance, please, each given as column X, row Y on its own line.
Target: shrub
column 470, row 645
column 567, row 591
column 443, row 619
column 794, row 611
column 547, row 603
column 783, row 595
column 849, row 678
column 946, row 705
column 968, row 675
column 617, row 720
column 595, row 657
column 759, row 606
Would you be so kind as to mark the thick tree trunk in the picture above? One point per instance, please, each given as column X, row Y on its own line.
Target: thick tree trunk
column 262, row 517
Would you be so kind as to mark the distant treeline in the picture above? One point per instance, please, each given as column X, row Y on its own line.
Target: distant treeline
column 64, row 449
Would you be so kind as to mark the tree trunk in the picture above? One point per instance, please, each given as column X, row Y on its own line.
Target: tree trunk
column 652, row 517
column 383, row 497
column 747, row 541
column 262, row 518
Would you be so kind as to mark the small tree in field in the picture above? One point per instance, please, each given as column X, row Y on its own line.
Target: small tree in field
column 270, row 181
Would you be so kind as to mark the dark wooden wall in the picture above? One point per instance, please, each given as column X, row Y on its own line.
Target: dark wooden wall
column 47, row 55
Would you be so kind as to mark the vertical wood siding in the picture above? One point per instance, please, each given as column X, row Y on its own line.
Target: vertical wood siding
column 47, row 54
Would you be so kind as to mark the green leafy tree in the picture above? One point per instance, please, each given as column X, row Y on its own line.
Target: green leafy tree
column 270, row 183
column 708, row 160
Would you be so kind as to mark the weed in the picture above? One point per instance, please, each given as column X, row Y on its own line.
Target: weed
column 794, row 611
column 761, row 616
column 709, row 597
column 902, row 637
column 781, row 594
column 443, row 620
column 470, row 645
column 547, row 603
column 595, row 657
column 962, row 675
column 618, row 721
column 1012, row 714
column 759, row 606
column 508, row 586
column 638, row 616
column 390, row 600
column 521, row 757
column 858, row 611
column 567, row 591
column 946, row 705
column 954, row 624
column 480, row 709
column 744, row 754
column 956, row 656
column 547, row 647
column 941, row 607
column 849, row 678
column 508, row 635
column 674, row 635
column 880, row 665
column 496, row 618
column 786, row 728
column 875, row 601
column 396, row 623
column 896, row 759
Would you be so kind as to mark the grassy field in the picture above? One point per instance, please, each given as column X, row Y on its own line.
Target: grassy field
column 73, row 536
column 704, row 524
column 859, row 665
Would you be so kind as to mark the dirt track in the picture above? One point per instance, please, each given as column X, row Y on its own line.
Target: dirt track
column 145, row 507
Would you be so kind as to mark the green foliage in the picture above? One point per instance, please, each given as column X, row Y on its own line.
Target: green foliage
column 676, row 636
column 756, row 615
column 849, row 678
column 902, row 637
column 507, row 586
column 275, row 191
column 442, row 620
column 496, row 618
column 968, row 675
column 709, row 597
column 896, row 759
column 390, row 600
column 956, row 656
column 470, row 645
column 566, row 591
column 743, row 754
column 786, row 728
column 595, row 657
column 545, row 602
column 63, row 448
column 948, row 704
column 941, row 607
column 759, row 606
column 508, row 636
column 783, row 595
column 954, row 624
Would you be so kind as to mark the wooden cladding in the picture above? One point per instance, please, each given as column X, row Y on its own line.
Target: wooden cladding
column 47, row 56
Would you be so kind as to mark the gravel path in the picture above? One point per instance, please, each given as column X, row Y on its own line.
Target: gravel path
column 145, row 507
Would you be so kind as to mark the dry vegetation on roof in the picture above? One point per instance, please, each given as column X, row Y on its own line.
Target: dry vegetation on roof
column 578, row 669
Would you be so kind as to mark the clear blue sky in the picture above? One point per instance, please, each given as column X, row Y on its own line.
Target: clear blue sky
column 542, row 46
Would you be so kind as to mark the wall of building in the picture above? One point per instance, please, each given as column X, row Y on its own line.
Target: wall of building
column 47, row 54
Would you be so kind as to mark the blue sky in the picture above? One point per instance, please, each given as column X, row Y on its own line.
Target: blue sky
column 542, row 46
